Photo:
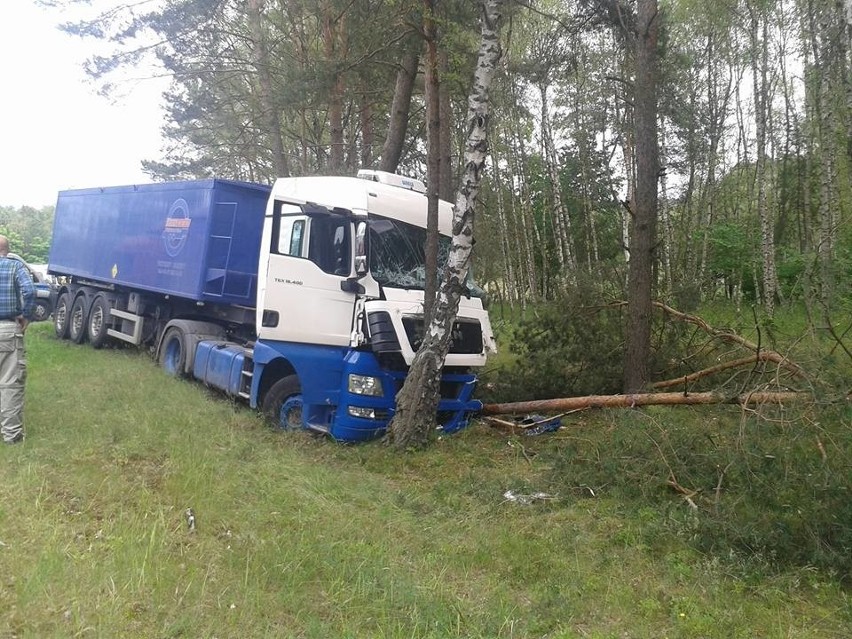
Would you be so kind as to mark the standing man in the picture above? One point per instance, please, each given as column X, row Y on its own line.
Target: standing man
column 17, row 296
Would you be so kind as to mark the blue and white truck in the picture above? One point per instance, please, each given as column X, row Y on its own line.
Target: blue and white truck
column 304, row 299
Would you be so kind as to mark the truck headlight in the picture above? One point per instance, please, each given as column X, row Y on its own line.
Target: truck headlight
column 365, row 385
column 364, row 413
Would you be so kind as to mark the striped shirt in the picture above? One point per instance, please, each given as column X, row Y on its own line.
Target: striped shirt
column 17, row 293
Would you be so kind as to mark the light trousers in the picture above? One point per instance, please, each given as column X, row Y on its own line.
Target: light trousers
column 13, row 376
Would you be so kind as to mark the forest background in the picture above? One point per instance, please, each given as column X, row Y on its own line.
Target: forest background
column 755, row 130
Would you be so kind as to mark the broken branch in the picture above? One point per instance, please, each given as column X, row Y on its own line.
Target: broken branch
column 727, row 336
column 687, row 379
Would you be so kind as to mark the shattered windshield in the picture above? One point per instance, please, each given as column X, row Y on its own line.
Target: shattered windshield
column 397, row 257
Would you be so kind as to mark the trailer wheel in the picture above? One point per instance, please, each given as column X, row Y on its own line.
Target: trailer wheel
column 173, row 352
column 61, row 315
column 98, row 322
column 77, row 321
column 282, row 404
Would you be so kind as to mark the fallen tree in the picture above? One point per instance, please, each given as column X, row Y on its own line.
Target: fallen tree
column 643, row 399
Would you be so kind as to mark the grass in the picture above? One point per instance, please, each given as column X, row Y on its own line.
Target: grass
column 301, row 537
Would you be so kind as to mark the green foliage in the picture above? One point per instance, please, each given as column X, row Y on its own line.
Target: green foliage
column 29, row 231
column 791, row 267
column 732, row 251
column 301, row 537
column 770, row 488
column 573, row 346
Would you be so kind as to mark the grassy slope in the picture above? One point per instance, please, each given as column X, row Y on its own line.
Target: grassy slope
column 301, row 537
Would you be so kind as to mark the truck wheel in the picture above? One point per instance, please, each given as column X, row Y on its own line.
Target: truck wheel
column 41, row 310
column 282, row 404
column 98, row 322
column 173, row 352
column 77, row 321
column 61, row 315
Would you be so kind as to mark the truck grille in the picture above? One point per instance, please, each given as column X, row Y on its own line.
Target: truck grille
column 466, row 338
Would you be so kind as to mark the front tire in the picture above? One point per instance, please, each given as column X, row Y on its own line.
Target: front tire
column 282, row 404
column 77, row 321
column 61, row 316
column 172, row 356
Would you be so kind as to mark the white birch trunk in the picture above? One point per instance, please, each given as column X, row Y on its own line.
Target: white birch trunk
column 417, row 402
column 760, row 46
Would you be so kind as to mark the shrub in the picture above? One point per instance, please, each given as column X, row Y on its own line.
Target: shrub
column 769, row 488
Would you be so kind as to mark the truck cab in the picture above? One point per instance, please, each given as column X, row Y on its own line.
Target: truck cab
column 341, row 279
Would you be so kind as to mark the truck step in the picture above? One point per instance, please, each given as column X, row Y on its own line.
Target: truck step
column 317, row 428
column 246, row 375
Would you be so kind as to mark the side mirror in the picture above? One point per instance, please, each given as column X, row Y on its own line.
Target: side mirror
column 361, row 249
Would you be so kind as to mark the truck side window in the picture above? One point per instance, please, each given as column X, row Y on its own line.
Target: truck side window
column 289, row 225
column 296, row 236
column 330, row 245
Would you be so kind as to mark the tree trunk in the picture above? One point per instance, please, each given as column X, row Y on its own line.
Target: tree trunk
column 366, row 117
column 530, row 236
column 433, row 156
column 529, row 232
column 561, row 221
column 417, row 402
column 627, row 150
column 507, row 236
column 271, row 112
column 642, row 399
column 644, row 227
column 445, row 184
column 400, row 107
column 830, row 73
column 331, row 48
column 760, row 47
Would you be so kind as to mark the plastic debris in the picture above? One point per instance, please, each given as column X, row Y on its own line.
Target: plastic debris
column 190, row 519
column 539, row 424
column 511, row 495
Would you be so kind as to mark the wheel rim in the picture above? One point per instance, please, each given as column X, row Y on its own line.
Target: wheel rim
column 77, row 320
column 96, row 324
column 40, row 312
column 171, row 355
column 60, row 316
column 290, row 416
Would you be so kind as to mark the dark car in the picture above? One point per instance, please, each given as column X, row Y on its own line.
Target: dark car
column 44, row 291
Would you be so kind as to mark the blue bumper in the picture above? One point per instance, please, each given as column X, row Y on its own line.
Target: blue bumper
column 329, row 406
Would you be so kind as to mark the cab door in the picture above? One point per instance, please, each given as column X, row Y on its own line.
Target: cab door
column 310, row 255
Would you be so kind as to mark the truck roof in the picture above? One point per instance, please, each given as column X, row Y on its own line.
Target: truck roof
column 358, row 194
column 178, row 185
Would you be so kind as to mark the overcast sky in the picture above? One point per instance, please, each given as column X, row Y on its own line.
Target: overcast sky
column 57, row 133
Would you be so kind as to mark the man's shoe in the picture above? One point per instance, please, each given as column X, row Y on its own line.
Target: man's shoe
column 16, row 439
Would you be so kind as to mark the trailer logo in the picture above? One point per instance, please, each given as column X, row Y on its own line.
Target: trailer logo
column 177, row 227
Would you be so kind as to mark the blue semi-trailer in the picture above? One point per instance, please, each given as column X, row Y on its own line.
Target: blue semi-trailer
column 304, row 299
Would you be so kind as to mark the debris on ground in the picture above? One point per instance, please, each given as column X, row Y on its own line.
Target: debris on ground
column 511, row 495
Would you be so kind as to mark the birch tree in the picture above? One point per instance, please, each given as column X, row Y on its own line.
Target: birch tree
column 759, row 38
column 417, row 402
